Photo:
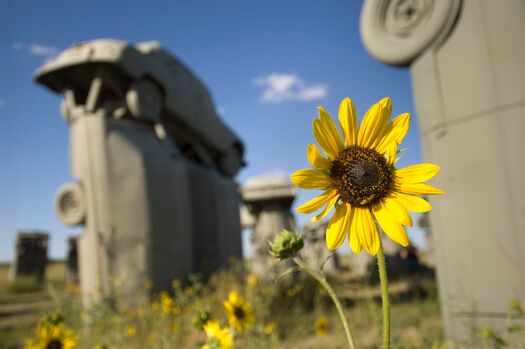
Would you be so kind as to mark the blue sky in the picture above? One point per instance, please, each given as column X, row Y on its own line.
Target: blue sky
column 268, row 65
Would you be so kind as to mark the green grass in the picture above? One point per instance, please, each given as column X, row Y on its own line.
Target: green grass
column 294, row 306
column 55, row 276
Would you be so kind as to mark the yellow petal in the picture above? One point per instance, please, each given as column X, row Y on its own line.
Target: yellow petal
column 391, row 152
column 417, row 173
column 412, row 203
column 337, row 227
column 394, row 134
column 348, row 121
column 417, row 188
column 393, row 229
column 398, row 211
column 326, row 119
column 316, row 159
column 365, row 227
column 354, row 231
column 311, row 179
column 327, row 209
column 374, row 124
column 386, row 103
column 355, row 244
column 228, row 306
column 317, row 203
column 326, row 134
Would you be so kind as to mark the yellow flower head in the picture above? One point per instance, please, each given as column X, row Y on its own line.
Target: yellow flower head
column 270, row 328
column 168, row 305
column 321, row 326
column 53, row 336
column 131, row 330
column 359, row 179
column 217, row 337
column 252, row 280
column 240, row 314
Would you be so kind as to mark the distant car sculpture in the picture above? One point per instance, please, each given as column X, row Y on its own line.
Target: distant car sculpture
column 154, row 164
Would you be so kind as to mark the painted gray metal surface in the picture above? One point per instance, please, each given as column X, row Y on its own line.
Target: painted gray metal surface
column 269, row 201
column 154, row 166
column 469, row 91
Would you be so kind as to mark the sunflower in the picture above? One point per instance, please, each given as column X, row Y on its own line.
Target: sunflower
column 358, row 177
column 217, row 337
column 53, row 337
column 240, row 314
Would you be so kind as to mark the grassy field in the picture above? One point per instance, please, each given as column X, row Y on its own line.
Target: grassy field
column 293, row 307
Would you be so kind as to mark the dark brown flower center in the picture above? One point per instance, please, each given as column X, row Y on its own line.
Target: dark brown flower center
column 238, row 312
column 361, row 176
column 54, row 344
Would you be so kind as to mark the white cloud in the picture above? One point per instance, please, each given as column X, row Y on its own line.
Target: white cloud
column 279, row 87
column 46, row 51
column 313, row 92
column 42, row 50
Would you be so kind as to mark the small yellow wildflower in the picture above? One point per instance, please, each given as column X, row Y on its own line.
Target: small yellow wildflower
column 252, row 280
column 321, row 326
column 270, row 328
column 358, row 177
column 131, row 330
column 217, row 337
column 167, row 303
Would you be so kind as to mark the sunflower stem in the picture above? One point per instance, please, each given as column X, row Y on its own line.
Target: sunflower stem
column 383, row 279
column 322, row 280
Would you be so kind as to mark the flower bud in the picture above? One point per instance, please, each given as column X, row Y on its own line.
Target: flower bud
column 286, row 244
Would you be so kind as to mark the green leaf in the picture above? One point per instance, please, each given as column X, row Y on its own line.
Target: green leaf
column 287, row 272
column 321, row 267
